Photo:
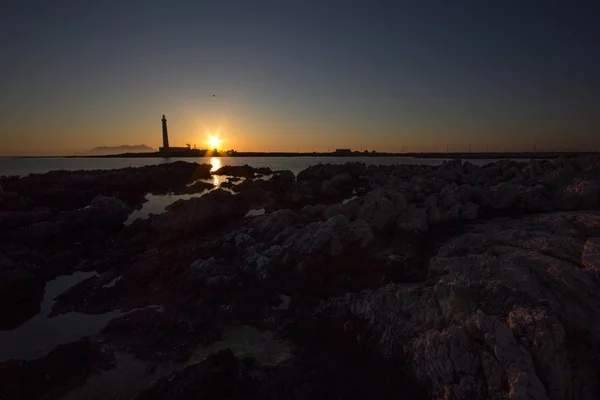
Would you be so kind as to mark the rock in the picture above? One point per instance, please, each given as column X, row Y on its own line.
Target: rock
column 511, row 310
column 110, row 206
column 269, row 225
column 208, row 272
column 337, row 187
column 381, row 208
column 283, row 179
column 537, row 198
column 14, row 219
column 591, row 254
column 469, row 211
column 583, row 195
column 413, row 221
column 244, row 171
column 450, row 171
column 449, row 196
column 261, row 263
column 65, row 368
column 329, row 238
column 504, row 195
column 441, row 215
column 474, row 175
column 201, row 213
column 197, row 187
column 533, row 170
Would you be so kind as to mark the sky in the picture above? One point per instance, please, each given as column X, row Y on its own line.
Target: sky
column 302, row 75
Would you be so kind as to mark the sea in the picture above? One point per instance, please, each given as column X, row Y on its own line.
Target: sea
column 24, row 166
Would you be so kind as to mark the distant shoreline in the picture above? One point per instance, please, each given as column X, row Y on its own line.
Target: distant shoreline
column 512, row 155
column 466, row 156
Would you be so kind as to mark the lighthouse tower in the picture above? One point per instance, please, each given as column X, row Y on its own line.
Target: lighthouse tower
column 165, row 134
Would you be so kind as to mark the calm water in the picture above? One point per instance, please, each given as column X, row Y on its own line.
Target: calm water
column 25, row 166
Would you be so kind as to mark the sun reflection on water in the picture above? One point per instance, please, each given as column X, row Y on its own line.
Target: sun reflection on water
column 216, row 164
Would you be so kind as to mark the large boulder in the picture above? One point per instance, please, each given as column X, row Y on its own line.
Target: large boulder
column 214, row 209
column 337, row 187
column 381, row 208
column 511, row 310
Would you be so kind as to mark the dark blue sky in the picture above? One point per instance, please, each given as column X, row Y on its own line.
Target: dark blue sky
column 300, row 74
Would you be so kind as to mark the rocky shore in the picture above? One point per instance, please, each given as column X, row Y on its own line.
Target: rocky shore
column 353, row 281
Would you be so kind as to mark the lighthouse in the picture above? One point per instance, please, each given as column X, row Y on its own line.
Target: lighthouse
column 165, row 133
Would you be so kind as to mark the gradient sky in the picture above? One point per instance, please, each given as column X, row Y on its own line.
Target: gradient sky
column 300, row 75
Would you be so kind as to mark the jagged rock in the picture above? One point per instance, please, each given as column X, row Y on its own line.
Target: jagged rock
column 381, row 208
column 269, row 225
column 329, row 238
column 511, row 310
column 260, row 263
column 209, row 272
column 413, row 221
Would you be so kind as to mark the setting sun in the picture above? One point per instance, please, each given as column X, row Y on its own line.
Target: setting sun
column 214, row 142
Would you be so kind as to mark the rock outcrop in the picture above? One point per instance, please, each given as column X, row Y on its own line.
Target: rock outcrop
column 512, row 310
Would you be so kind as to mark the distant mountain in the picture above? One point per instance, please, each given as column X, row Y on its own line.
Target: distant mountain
column 108, row 150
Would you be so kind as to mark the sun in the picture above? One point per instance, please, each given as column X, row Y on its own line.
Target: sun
column 214, row 142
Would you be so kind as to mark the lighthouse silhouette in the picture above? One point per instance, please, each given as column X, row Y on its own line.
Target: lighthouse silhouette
column 165, row 133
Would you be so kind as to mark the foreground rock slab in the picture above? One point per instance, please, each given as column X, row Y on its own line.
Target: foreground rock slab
column 509, row 310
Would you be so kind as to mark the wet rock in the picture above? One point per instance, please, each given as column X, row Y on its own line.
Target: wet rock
column 196, row 187
column 244, row 171
column 201, row 214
